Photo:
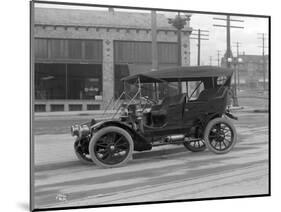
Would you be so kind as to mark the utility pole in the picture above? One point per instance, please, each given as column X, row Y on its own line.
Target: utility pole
column 198, row 35
column 228, row 54
column 210, row 61
column 154, row 41
column 218, row 57
column 237, row 45
column 263, row 58
column 228, row 20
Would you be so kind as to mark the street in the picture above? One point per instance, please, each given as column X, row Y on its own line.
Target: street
column 165, row 173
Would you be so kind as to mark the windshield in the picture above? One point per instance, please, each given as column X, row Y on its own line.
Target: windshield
column 153, row 91
column 158, row 91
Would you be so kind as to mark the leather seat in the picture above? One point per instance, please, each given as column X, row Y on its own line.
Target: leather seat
column 161, row 110
column 211, row 93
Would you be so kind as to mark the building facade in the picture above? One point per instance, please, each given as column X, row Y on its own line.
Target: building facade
column 252, row 71
column 81, row 55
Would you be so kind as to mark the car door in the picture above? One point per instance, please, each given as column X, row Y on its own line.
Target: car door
column 175, row 111
column 192, row 110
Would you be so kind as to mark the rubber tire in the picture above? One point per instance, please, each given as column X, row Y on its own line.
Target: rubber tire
column 102, row 132
column 207, row 131
column 78, row 155
column 192, row 149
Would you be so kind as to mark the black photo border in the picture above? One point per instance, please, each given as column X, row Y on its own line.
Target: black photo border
column 31, row 107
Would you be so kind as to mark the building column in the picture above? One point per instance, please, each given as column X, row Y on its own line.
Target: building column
column 107, row 72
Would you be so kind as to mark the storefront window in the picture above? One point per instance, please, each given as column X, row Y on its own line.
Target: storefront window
column 50, row 81
column 84, row 81
column 68, row 81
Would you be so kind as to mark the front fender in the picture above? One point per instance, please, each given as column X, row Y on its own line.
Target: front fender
column 140, row 143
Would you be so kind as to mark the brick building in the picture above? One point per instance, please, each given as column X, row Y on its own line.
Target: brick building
column 81, row 55
column 250, row 71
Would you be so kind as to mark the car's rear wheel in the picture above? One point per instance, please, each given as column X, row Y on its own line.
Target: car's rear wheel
column 220, row 135
column 81, row 154
column 111, row 147
column 195, row 145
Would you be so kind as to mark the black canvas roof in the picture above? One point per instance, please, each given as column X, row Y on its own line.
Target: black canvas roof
column 180, row 74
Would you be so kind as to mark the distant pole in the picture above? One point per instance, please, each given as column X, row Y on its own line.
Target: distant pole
column 263, row 58
column 154, row 41
column 154, row 49
column 237, row 44
column 198, row 47
column 211, row 58
column 263, row 62
column 218, row 59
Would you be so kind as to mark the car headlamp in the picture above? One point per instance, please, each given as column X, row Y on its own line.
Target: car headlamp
column 75, row 130
column 84, row 131
column 123, row 112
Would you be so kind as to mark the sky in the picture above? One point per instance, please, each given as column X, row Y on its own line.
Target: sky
column 247, row 37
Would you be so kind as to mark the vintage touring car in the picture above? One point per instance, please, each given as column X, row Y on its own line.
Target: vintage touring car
column 181, row 105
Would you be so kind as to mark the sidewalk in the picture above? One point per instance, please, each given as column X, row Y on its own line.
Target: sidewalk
column 99, row 114
column 249, row 109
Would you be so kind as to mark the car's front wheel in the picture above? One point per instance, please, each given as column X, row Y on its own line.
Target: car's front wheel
column 111, row 147
column 220, row 135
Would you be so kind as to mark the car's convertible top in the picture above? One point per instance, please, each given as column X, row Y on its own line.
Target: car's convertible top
column 175, row 74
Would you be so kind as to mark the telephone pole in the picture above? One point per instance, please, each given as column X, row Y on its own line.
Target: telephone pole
column 218, row 57
column 237, row 84
column 210, row 61
column 228, row 26
column 228, row 54
column 237, row 45
column 154, row 40
column 263, row 58
column 198, row 35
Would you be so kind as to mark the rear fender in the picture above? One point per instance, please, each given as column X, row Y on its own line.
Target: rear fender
column 204, row 120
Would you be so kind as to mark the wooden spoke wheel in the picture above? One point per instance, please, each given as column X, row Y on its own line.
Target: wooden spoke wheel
column 220, row 135
column 111, row 147
column 81, row 154
column 195, row 145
